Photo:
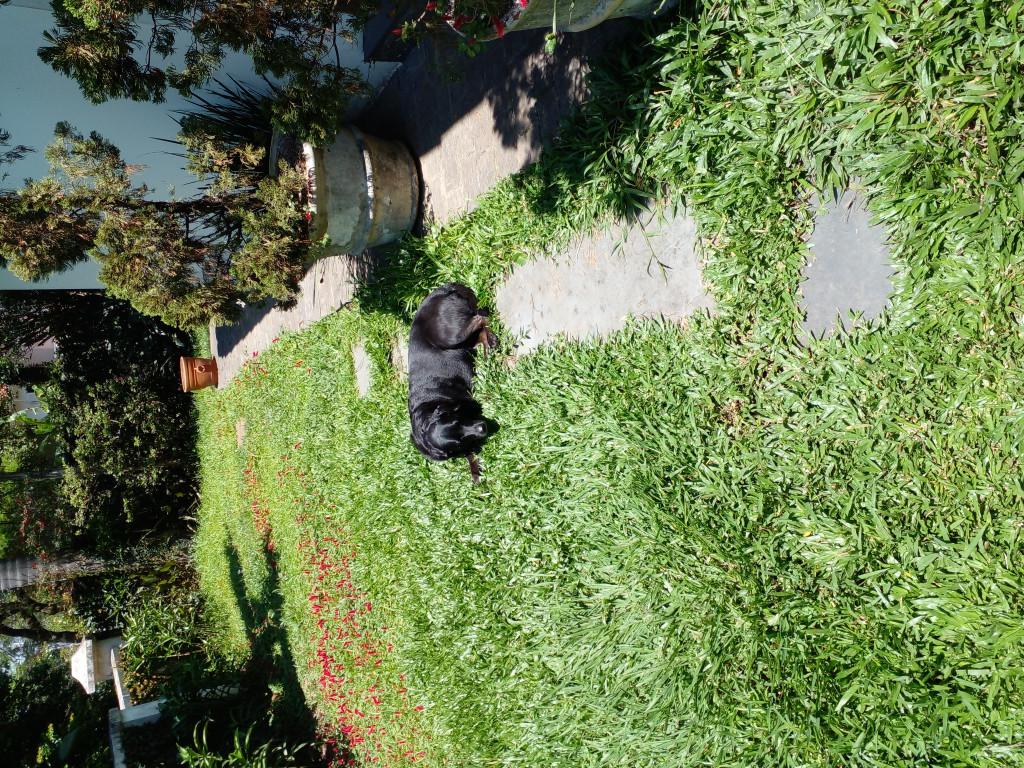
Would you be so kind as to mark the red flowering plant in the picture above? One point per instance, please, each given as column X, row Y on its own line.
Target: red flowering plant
column 475, row 21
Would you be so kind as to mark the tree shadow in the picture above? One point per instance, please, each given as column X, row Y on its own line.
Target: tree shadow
column 254, row 316
column 272, row 662
column 528, row 90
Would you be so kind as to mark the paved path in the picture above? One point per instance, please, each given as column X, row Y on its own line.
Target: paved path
column 495, row 118
column 467, row 128
column 648, row 269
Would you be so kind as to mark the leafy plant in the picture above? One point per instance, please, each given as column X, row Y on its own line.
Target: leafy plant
column 234, row 114
column 47, row 719
column 244, row 754
column 161, row 633
column 171, row 259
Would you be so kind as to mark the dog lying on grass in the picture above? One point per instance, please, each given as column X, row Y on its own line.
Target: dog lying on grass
column 447, row 422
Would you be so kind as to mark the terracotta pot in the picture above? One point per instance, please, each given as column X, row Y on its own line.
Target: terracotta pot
column 197, row 373
column 364, row 191
column 576, row 15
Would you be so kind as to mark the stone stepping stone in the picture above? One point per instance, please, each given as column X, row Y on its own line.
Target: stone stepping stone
column 849, row 271
column 362, row 365
column 400, row 357
column 647, row 269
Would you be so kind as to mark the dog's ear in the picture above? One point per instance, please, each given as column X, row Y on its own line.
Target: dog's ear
column 432, row 418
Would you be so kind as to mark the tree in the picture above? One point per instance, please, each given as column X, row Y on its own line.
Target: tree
column 125, row 430
column 47, row 719
column 35, row 518
column 28, row 318
column 189, row 261
column 124, row 449
column 24, row 616
column 102, row 45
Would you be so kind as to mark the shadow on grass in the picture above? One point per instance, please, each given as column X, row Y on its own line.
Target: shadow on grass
column 400, row 275
column 271, row 663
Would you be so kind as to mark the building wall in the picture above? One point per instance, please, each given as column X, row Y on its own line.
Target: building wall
column 24, row 398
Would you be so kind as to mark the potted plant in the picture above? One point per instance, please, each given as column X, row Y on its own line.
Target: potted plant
column 478, row 21
column 363, row 191
column 360, row 190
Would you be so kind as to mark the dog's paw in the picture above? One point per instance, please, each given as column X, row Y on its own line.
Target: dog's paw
column 489, row 339
column 474, row 468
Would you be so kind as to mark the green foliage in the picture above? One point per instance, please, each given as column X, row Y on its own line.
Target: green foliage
column 38, row 238
column 47, row 719
column 171, row 259
column 167, row 645
column 160, row 632
column 123, row 445
column 35, row 518
column 313, row 103
column 273, row 258
column 102, row 46
column 124, row 427
column 98, row 592
column 244, row 755
column 26, row 444
column 102, row 58
column 226, row 130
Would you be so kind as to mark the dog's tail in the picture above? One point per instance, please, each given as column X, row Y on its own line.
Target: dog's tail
column 474, row 468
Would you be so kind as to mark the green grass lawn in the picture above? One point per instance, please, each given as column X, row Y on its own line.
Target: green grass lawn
column 693, row 546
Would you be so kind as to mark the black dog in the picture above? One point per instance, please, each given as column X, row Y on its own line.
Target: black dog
column 446, row 421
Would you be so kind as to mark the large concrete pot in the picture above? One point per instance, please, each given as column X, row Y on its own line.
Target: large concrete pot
column 364, row 191
column 575, row 15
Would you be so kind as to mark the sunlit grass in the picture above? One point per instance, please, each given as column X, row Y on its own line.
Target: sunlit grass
column 700, row 546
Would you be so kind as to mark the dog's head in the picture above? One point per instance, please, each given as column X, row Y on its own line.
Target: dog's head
column 448, row 430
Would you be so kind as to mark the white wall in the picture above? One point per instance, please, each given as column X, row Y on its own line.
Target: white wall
column 34, row 98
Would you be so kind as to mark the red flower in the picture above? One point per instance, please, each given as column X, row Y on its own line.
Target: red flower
column 524, row 3
column 431, row 6
column 498, row 26
column 459, row 21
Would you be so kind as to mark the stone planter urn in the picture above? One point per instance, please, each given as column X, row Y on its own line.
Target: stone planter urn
column 93, row 662
column 573, row 15
column 364, row 191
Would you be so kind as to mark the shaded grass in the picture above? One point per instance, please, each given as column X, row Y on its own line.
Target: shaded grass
column 701, row 546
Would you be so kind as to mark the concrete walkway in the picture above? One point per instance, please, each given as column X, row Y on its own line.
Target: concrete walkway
column 472, row 127
column 647, row 269
column 469, row 122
